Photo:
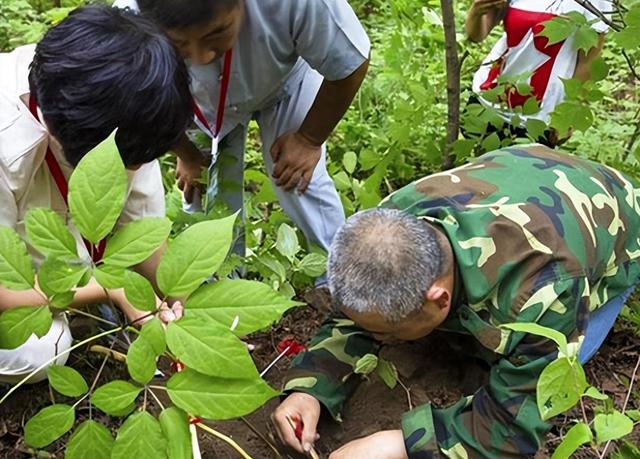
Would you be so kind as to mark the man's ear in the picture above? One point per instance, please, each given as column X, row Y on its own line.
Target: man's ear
column 438, row 295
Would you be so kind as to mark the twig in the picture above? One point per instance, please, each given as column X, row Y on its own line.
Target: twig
column 54, row 358
column 587, row 5
column 407, row 391
column 115, row 355
column 274, row 361
column 224, row 438
column 259, row 434
column 313, row 454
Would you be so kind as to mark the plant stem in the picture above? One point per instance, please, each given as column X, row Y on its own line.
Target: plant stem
column 259, row 434
column 157, row 387
column 91, row 316
column 155, row 397
column 56, row 357
column 224, row 438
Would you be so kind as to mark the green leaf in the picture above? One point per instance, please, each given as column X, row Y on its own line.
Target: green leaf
column 175, row 426
column 210, row 348
column 313, row 264
column 594, row 393
column 49, row 235
column 634, row 415
column 136, row 241
column 115, row 396
column 139, row 291
column 611, row 426
column 48, row 425
column 109, row 277
column 91, row 440
column 585, row 38
column 140, row 437
column 628, row 37
column 153, row 333
column 366, row 364
column 18, row 324
column 349, row 161
column 558, row 29
column 97, row 191
column 141, row 361
column 256, row 304
column 217, row 398
column 578, row 435
column 67, row 381
column 387, row 372
column 599, row 69
column 16, row 270
column 287, row 242
column 539, row 330
column 60, row 276
column 559, row 387
column 62, row 300
column 571, row 115
column 194, row 255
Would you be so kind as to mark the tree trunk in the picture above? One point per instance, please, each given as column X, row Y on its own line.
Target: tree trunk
column 453, row 81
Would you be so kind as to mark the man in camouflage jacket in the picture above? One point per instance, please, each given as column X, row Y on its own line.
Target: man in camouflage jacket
column 523, row 234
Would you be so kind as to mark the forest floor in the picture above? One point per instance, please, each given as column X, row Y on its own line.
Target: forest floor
column 428, row 368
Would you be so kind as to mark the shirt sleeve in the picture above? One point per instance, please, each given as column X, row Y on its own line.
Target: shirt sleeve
column 328, row 35
column 146, row 194
column 325, row 370
column 501, row 420
column 8, row 209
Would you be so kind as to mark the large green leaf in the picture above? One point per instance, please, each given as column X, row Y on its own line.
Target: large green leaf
column 217, row 398
column 257, row 305
column 136, row 241
column 175, row 426
column 17, row 325
column 97, row 190
column 91, row 440
column 576, row 436
column 611, row 426
column 49, row 424
column 140, row 437
column 60, row 276
column 287, row 241
column 559, row 387
column 67, row 381
column 206, row 346
column 141, row 360
column 16, row 270
column 109, row 277
column 139, row 291
column 153, row 333
column 115, row 397
column 49, row 235
column 194, row 255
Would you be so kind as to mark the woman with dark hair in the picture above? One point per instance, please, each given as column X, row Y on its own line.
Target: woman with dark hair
column 294, row 66
column 98, row 70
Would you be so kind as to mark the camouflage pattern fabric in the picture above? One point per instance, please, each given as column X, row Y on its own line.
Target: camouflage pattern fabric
column 538, row 236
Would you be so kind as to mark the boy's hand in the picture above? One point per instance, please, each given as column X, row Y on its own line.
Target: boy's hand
column 295, row 159
column 188, row 173
column 298, row 407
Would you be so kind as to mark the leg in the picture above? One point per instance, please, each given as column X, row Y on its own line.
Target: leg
column 600, row 323
column 318, row 212
column 17, row 363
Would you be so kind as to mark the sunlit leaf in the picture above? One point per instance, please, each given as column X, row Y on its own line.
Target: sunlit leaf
column 16, row 271
column 136, row 241
column 90, row 440
column 67, row 381
column 49, row 235
column 140, row 437
column 18, row 324
column 48, row 425
column 175, row 426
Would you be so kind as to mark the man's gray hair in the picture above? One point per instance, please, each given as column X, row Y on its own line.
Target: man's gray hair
column 384, row 261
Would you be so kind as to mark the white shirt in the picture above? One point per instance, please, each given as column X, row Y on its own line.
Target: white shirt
column 279, row 41
column 25, row 180
column 519, row 51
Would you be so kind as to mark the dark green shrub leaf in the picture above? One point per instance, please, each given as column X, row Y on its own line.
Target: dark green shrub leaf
column 97, row 190
column 136, row 241
column 17, row 325
column 217, row 398
column 67, row 381
column 49, row 235
column 48, row 425
column 91, row 440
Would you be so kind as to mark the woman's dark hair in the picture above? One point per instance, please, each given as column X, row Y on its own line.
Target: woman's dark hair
column 181, row 14
column 102, row 68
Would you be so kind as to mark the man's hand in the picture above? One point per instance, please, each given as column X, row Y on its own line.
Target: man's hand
column 188, row 173
column 298, row 407
column 295, row 159
column 387, row 444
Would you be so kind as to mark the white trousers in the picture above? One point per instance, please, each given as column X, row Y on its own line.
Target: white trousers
column 17, row 363
column 318, row 212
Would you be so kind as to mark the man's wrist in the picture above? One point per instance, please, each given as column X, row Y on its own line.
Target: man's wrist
column 310, row 139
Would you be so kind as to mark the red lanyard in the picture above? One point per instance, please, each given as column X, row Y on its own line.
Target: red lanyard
column 96, row 251
column 224, row 88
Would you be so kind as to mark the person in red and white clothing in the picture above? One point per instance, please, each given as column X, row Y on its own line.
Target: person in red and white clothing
column 522, row 50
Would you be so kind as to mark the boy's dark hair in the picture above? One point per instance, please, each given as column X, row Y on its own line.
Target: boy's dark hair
column 180, row 14
column 102, row 68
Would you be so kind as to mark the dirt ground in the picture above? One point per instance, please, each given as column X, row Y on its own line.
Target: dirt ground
column 428, row 368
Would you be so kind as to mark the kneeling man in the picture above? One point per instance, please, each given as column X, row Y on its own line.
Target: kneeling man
column 522, row 234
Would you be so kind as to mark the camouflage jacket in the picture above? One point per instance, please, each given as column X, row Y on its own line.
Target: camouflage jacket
column 539, row 237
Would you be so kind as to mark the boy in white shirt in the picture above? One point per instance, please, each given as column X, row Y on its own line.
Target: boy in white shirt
column 98, row 70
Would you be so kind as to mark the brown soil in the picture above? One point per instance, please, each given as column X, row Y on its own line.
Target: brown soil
column 428, row 368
